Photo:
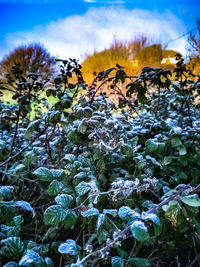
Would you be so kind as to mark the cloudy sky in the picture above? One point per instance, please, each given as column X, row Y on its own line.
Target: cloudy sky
column 75, row 28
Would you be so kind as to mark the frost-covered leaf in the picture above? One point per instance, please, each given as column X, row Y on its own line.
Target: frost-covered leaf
column 57, row 174
column 69, row 158
column 6, row 192
column 10, row 231
column 100, row 221
column 117, row 262
column 25, row 206
column 16, row 168
column 80, row 175
column 31, row 258
column 191, row 200
column 139, row 231
column 13, row 248
column 54, row 215
column 64, row 200
column 112, row 212
column 126, row 213
column 43, row 174
column 82, row 188
column 82, row 128
column 90, row 212
column 69, row 247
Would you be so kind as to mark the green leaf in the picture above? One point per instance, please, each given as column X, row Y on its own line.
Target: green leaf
column 82, row 128
column 127, row 150
column 90, row 212
column 102, row 236
column 191, row 200
column 18, row 220
column 32, row 127
column 13, row 248
column 151, row 216
column 6, row 192
column 43, row 174
column 54, row 215
column 25, row 206
column 82, row 188
column 100, row 221
column 69, row 247
column 151, row 146
column 112, row 212
column 55, row 188
column 139, row 231
column 55, row 116
column 140, row 262
column 7, row 209
column 71, row 219
column 29, row 158
column 32, row 258
column 80, row 175
column 182, row 150
column 126, row 213
column 117, row 262
column 64, row 200
column 176, row 142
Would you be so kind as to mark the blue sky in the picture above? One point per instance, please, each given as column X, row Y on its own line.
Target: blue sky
column 74, row 28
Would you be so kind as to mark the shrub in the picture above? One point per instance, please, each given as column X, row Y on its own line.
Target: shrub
column 93, row 183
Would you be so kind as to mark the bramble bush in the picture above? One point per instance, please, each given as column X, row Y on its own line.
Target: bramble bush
column 96, row 183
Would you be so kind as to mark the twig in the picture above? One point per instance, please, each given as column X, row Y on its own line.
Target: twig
column 124, row 234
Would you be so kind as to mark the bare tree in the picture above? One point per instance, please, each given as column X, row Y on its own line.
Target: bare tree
column 33, row 58
column 194, row 49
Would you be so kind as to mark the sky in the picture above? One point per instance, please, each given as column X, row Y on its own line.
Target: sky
column 77, row 28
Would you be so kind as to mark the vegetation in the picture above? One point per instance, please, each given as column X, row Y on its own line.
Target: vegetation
column 133, row 56
column 194, row 41
column 118, row 53
column 30, row 59
column 97, row 184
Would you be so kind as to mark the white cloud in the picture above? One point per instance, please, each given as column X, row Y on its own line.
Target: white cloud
column 78, row 35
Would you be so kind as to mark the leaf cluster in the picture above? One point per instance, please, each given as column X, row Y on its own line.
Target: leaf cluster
column 92, row 182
